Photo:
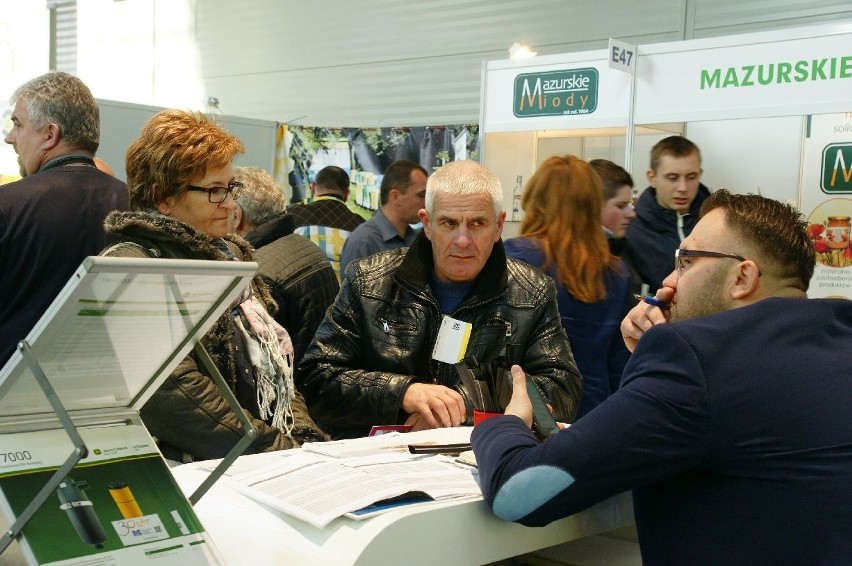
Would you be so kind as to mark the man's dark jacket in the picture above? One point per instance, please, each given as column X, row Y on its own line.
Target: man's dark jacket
column 300, row 277
column 652, row 236
column 49, row 222
column 326, row 210
column 378, row 338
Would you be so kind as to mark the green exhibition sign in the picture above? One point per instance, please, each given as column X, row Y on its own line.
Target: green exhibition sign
column 837, row 168
column 556, row 93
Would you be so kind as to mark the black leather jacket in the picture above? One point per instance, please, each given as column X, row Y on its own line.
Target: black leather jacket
column 379, row 334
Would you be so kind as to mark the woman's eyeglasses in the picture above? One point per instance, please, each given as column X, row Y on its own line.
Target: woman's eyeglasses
column 219, row 194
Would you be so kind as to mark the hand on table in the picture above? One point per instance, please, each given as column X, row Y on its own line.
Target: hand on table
column 433, row 406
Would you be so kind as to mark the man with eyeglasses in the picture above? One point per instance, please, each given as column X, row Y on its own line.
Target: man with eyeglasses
column 731, row 425
column 52, row 218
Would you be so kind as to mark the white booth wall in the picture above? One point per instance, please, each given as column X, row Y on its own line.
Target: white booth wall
column 752, row 155
column 121, row 123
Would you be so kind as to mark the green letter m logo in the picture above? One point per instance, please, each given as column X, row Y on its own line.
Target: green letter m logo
column 837, row 168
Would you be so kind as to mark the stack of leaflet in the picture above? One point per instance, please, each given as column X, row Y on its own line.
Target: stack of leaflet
column 360, row 477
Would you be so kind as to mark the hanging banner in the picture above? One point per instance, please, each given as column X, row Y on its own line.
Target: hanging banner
column 827, row 202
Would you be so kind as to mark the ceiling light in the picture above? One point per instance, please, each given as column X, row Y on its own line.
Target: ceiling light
column 520, row 51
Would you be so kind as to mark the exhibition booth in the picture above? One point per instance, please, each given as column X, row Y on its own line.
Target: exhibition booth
column 771, row 112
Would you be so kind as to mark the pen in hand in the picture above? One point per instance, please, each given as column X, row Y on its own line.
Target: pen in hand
column 653, row 301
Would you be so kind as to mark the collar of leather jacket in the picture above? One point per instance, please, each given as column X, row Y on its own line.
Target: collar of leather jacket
column 414, row 270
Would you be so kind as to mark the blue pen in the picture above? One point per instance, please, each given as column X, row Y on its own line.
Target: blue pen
column 653, row 301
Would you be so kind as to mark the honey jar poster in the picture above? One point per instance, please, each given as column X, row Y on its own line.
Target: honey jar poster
column 826, row 197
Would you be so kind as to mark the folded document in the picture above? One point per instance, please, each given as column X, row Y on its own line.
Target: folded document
column 318, row 488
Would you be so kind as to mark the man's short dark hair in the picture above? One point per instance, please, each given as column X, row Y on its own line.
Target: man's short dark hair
column 398, row 176
column 613, row 176
column 776, row 230
column 332, row 179
column 676, row 146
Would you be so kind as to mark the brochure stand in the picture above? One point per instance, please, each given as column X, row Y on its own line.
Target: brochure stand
column 80, row 451
column 107, row 342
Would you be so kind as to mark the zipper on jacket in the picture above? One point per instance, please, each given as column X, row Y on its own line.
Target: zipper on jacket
column 680, row 233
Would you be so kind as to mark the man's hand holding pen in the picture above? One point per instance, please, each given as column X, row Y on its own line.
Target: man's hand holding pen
column 648, row 312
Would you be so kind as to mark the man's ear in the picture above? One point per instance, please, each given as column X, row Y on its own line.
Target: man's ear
column 53, row 135
column 501, row 218
column 236, row 221
column 747, row 280
column 424, row 219
column 652, row 177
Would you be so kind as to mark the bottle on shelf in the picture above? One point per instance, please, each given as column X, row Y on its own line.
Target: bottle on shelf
column 517, row 194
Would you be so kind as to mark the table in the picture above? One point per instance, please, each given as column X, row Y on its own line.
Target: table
column 445, row 533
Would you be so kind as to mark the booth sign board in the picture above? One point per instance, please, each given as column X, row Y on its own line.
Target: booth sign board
column 622, row 56
column 826, row 182
column 556, row 93
column 781, row 73
column 837, row 169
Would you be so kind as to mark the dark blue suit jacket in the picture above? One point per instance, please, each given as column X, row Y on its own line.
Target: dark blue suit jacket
column 734, row 431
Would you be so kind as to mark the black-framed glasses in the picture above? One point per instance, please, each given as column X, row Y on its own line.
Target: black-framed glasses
column 681, row 253
column 219, row 194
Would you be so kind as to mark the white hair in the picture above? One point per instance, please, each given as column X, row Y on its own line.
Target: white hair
column 464, row 178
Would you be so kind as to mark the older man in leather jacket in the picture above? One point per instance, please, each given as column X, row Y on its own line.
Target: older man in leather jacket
column 372, row 360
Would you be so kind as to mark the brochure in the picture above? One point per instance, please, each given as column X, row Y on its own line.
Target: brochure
column 119, row 506
column 356, row 475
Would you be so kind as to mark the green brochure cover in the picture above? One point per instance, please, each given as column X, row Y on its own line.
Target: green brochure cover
column 119, row 506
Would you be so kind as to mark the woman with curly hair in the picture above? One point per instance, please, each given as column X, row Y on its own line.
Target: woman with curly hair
column 182, row 189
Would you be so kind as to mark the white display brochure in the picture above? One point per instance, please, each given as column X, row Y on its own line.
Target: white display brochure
column 115, row 331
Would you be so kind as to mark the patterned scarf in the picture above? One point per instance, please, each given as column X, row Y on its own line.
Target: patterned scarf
column 271, row 353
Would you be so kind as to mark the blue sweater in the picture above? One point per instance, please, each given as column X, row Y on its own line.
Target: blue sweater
column 733, row 430
column 593, row 328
